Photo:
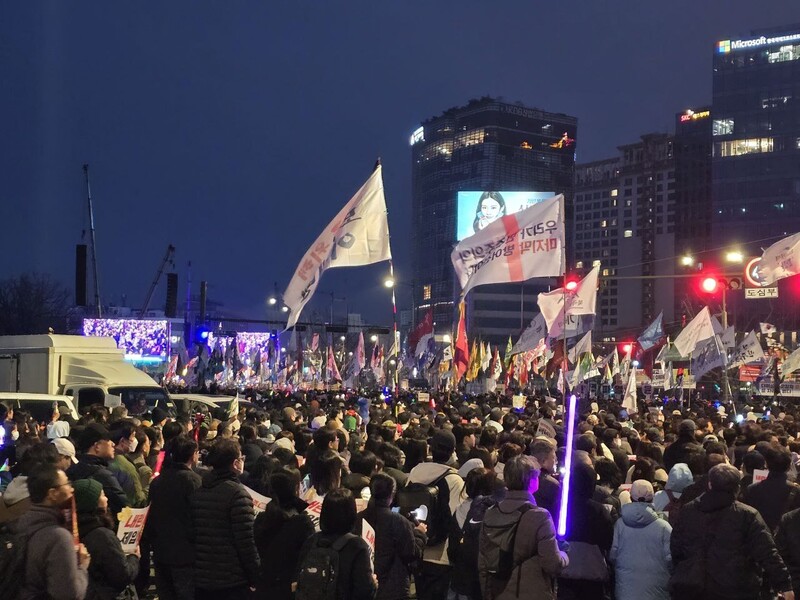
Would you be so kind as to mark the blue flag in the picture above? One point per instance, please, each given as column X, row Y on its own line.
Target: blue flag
column 653, row 334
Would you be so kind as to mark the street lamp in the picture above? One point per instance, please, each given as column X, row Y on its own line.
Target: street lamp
column 388, row 282
column 687, row 260
column 734, row 256
column 373, row 338
column 446, row 338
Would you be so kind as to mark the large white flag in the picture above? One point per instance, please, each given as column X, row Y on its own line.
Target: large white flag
column 629, row 400
column 532, row 336
column 780, row 260
column 791, row 364
column 558, row 304
column 728, row 337
column 516, row 247
column 698, row 330
column 361, row 358
column 583, row 346
column 357, row 236
column 707, row 356
column 748, row 351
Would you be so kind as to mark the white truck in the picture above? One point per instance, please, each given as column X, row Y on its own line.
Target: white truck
column 92, row 370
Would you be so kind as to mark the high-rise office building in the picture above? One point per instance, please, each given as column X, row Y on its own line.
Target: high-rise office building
column 624, row 221
column 469, row 165
column 756, row 132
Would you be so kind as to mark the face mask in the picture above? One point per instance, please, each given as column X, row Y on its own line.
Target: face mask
column 133, row 445
column 15, row 435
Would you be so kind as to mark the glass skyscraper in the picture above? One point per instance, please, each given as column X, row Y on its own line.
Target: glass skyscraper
column 487, row 145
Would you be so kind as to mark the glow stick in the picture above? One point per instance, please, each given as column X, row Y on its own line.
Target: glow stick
column 562, row 510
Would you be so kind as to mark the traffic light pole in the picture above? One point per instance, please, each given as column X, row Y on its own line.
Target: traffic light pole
column 726, row 386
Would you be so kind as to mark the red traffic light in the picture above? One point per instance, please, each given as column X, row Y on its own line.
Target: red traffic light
column 571, row 285
column 626, row 348
column 709, row 285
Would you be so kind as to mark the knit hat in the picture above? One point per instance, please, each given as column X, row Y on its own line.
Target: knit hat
column 642, row 491
column 159, row 414
column 87, row 495
column 443, row 441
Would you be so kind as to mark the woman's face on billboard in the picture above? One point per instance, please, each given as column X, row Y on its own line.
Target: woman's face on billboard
column 490, row 208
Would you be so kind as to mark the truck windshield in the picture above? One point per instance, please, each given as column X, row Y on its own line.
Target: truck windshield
column 141, row 400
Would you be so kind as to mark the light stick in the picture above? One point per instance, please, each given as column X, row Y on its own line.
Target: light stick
column 562, row 511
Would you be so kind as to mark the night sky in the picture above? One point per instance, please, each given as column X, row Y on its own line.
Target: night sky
column 237, row 130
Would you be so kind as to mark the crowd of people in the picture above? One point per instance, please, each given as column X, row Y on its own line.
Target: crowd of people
column 462, row 497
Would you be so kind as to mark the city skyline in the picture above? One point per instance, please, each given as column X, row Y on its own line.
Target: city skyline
column 205, row 137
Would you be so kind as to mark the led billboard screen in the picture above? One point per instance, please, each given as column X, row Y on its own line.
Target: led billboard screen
column 475, row 210
column 141, row 339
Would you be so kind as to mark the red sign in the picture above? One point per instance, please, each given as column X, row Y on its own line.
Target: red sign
column 749, row 373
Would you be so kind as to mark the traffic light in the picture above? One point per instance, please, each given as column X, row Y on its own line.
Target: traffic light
column 571, row 284
column 709, row 285
column 627, row 348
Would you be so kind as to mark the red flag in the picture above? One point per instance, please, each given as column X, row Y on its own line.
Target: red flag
column 333, row 370
column 423, row 328
column 462, row 346
column 555, row 363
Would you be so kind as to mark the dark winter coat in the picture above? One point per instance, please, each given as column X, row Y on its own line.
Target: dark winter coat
column 590, row 533
column 397, row 546
column 355, row 482
column 548, row 495
column 251, row 452
column 279, row 535
column 110, row 570
column 222, row 524
column 354, row 581
column 735, row 543
column 771, row 498
column 679, row 451
column 94, row 467
column 169, row 521
column 51, row 569
column 787, row 539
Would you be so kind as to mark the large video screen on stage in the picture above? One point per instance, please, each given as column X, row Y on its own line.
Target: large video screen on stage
column 140, row 339
column 475, row 210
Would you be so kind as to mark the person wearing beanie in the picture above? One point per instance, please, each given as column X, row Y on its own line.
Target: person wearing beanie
column 640, row 552
column 111, row 571
column 678, row 451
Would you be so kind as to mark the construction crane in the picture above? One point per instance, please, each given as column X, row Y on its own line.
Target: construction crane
column 167, row 258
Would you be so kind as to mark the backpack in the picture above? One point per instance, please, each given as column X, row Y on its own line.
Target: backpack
column 499, row 532
column 12, row 562
column 434, row 495
column 470, row 532
column 320, row 569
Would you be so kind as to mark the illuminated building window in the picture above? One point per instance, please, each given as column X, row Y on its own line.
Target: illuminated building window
column 784, row 54
column 614, row 193
column 603, row 223
column 595, row 263
column 722, row 127
column 605, row 272
column 579, row 264
column 628, row 233
column 468, row 138
column 742, row 147
column 426, row 292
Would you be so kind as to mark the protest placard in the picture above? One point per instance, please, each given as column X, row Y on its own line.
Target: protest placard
column 131, row 525
column 259, row 502
column 368, row 534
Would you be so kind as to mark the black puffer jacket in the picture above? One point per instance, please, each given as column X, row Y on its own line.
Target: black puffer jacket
column 397, row 546
column 679, row 451
column 735, row 543
column 110, row 570
column 787, row 539
column 222, row 524
column 169, row 522
column 94, row 467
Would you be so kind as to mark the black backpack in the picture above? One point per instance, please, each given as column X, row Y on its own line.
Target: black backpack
column 436, row 496
column 320, row 569
column 499, row 532
column 468, row 542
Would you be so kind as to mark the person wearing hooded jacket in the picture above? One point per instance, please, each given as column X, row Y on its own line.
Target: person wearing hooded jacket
column 111, row 570
column 720, row 546
column 590, row 532
column 680, row 477
column 678, row 451
column 640, row 551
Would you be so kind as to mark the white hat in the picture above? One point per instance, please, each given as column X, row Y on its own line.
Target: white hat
column 642, row 491
column 318, row 422
column 471, row 464
column 285, row 442
column 65, row 448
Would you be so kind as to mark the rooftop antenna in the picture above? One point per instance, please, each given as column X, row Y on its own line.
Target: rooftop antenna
column 94, row 245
